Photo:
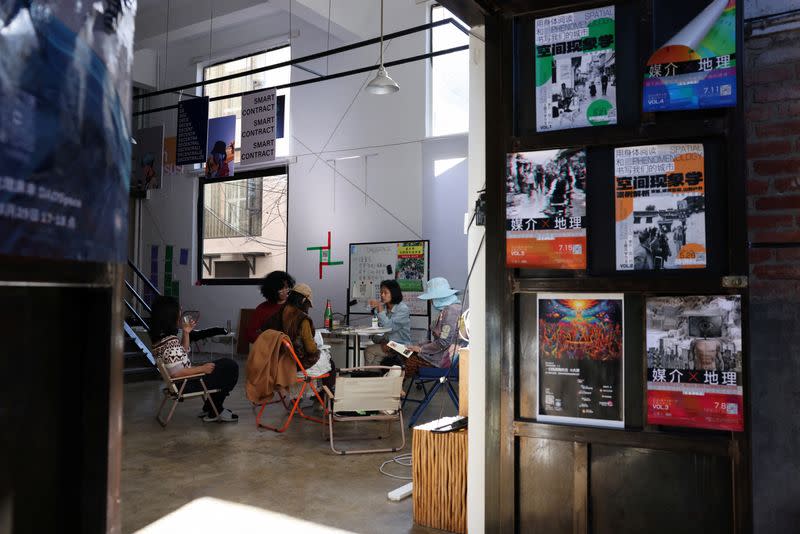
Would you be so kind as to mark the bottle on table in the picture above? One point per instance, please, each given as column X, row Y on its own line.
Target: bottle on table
column 374, row 318
column 328, row 315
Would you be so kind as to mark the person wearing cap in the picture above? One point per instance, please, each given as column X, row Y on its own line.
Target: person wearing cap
column 444, row 332
column 293, row 320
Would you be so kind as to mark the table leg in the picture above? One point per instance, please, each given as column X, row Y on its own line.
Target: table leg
column 357, row 353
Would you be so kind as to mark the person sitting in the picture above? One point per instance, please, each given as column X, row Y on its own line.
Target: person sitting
column 439, row 351
column 293, row 320
column 275, row 288
column 396, row 316
column 222, row 374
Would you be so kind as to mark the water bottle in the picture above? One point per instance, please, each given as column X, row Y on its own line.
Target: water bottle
column 374, row 318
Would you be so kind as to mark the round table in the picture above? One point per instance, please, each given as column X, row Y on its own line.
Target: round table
column 355, row 333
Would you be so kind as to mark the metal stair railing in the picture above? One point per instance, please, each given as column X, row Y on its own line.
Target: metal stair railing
column 132, row 309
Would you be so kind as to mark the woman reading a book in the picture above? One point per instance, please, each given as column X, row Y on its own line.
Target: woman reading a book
column 392, row 313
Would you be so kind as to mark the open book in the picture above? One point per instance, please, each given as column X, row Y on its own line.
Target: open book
column 399, row 347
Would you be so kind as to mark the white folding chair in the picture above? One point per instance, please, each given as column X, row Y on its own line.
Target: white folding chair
column 379, row 394
column 174, row 389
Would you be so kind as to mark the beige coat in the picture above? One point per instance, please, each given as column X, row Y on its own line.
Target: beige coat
column 270, row 367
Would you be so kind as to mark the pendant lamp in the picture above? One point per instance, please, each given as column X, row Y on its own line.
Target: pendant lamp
column 382, row 84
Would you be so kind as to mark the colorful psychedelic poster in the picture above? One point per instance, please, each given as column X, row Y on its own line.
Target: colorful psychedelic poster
column 580, row 359
column 694, row 362
column 546, row 209
column 221, row 147
column 660, row 207
column 696, row 68
column 575, row 74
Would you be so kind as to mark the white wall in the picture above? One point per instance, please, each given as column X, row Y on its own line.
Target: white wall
column 329, row 120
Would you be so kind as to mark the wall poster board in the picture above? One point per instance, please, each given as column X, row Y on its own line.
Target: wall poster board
column 660, row 207
column 696, row 67
column 546, row 209
column 694, row 362
column 408, row 262
column 580, row 359
column 575, row 74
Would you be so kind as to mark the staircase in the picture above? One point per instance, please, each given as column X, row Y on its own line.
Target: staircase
column 139, row 362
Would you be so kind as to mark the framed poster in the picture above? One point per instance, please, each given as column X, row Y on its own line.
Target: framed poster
column 694, row 362
column 660, row 214
column 575, row 70
column 580, row 359
column 696, row 67
column 546, row 209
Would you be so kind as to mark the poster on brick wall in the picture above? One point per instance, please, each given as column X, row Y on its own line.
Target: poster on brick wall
column 580, row 351
column 659, row 195
column 696, row 67
column 546, row 209
column 575, row 70
column 694, row 362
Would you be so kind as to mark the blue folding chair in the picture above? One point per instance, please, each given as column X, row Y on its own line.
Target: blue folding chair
column 438, row 378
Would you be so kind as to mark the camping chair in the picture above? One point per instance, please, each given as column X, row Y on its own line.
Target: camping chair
column 174, row 389
column 439, row 378
column 307, row 381
column 378, row 394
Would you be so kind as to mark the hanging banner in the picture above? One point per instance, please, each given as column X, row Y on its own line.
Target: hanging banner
column 65, row 88
column 170, row 167
column 694, row 362
column 148, row 154
column 696, row 68
column 192, row 131
column 259, row 126
column 546, row 209
column 575, row 70
column 221, row 147
column 580, row 359
column 660, row 207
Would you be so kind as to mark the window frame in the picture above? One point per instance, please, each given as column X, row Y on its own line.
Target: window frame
column 273, row 170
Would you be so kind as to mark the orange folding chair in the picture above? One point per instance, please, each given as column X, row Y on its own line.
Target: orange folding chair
column 307, row 381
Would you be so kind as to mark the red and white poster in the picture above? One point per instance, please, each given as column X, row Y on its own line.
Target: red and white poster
column 694, row 362
column 546, row 209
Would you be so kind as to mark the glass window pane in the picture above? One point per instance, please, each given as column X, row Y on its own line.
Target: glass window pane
column 449, row 78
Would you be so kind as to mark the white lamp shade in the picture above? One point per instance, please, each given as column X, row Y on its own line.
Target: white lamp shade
column 382, row 84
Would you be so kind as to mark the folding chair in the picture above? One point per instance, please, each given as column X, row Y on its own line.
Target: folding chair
column 439, row 378
column 365, row 394
column 174, row 389
column 307, row 382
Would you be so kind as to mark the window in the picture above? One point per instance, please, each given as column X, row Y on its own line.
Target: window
column 243, row 227
column 449, row 102
column 261, row 80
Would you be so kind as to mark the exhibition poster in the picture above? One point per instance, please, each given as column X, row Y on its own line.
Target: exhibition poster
column 580, row 359
column 694, row 362
column 147, row 166
column 575, row 74
column 221, row 147
column 546, row 209
column 696, row 68
column 660, row 207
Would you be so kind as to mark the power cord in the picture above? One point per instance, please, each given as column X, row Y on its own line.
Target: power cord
column 403, row 459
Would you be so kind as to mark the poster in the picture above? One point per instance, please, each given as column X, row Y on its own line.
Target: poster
column 580, row 359
column 696, row 67
column 65, row 87
column 694, row 362
column 147, row 159
column 660, row 207
column 221, row 147
column 169, row 158
column 404, row 261
column 192, row 131
column 546, row 209
column 575, row 74
column 259, row 126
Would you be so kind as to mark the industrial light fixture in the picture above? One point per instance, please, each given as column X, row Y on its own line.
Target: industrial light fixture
column 382, row 84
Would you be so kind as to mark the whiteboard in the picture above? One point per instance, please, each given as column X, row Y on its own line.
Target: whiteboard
column 404, row 261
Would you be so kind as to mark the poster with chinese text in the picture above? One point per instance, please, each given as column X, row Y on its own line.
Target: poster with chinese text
column 660, row 207
column 575, row 74
column 546, row 209
column 696, row 67
column 580, row 359
column 694, row 362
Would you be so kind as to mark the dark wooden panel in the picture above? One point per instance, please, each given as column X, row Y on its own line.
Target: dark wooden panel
column 547, row 485
column 644, row 490
column 528, row 370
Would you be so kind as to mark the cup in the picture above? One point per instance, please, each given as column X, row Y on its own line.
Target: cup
column 189, row 316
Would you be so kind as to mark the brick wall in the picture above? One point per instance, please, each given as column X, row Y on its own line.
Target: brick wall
column 772, row 118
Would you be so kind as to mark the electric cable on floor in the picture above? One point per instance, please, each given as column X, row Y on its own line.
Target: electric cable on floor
column 403, row 459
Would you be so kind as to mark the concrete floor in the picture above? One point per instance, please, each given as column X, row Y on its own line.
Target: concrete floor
column 294, row 473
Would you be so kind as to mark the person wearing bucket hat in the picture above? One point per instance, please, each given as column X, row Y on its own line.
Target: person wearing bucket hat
column 217, row 163
column 444, row 331
column 293, row 320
